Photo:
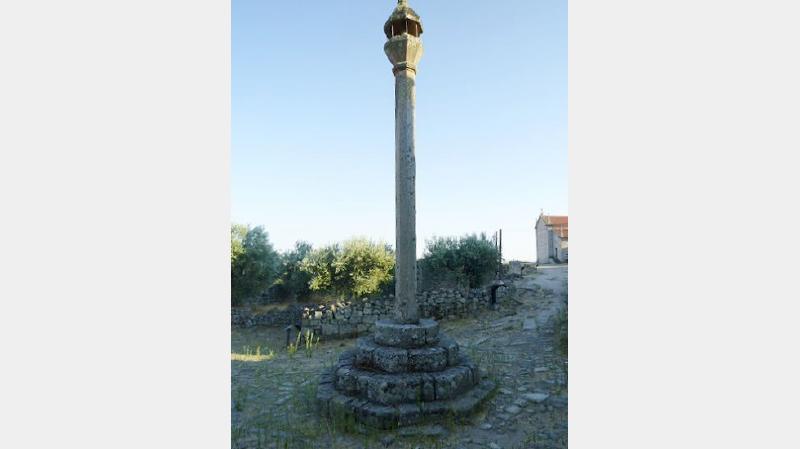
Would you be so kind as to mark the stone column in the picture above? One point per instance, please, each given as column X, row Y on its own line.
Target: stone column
column 406, row 372
column 404, row 51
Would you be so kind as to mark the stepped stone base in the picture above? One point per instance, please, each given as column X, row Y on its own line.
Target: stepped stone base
column 335, row 404
column 404, row 375
column 389, row 333
column 396, row 360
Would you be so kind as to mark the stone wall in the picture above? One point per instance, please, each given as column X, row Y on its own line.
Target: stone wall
column 357, row 317
column 245, row 317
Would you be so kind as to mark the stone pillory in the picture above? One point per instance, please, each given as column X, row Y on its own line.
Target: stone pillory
column 407, row 372
column 404, row 49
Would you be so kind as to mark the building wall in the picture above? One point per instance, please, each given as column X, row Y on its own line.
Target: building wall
column 562, row 250
column 542, row 242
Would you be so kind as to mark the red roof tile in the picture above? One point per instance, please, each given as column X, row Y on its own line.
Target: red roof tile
column 556, row 219
column 559, row 223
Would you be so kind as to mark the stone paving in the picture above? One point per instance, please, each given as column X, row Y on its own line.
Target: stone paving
column 273, row 400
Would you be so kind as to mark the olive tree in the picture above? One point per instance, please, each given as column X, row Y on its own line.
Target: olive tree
column 254, row 262
column 357, row 267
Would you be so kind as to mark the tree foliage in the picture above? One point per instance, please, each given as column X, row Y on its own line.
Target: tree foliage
column 254, row 262
column 293, row 282
column 320, row 266
column 468, row 260
column 357, row 267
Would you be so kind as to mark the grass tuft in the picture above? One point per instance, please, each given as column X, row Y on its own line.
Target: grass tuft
column 249, row 354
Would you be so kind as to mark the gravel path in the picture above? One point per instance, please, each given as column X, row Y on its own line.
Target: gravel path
column 272, row 400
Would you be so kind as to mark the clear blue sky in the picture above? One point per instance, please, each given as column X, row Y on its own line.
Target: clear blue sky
column 313, row 119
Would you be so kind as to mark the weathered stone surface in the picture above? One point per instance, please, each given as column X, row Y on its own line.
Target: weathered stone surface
column 428, row 359
column 394, row 360
column 358, row 316
column 395, row 388
column 336, row 405
column 246, row 317
column 404, row 397
column 536, row 397
column 435, row 430
column 330, row 329
column 365, row 352
column 404, row 53
column 451, row 347
column 453, row 381
column 400, row 335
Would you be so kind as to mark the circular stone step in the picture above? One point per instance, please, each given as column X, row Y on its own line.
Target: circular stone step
column 341, row 408
column 391, row 333
column 407, row 387
column 370, row 354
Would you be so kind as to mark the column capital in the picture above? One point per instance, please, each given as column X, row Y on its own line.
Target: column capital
column 404, row 52
column 406, row 69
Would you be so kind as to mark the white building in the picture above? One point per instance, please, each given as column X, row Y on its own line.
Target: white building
column 552, row 234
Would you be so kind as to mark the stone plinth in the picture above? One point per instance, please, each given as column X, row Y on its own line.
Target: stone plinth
column 409, row 375
column 436, row 357
column 401, row 335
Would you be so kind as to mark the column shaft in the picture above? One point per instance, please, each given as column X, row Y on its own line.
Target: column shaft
column 405, row 199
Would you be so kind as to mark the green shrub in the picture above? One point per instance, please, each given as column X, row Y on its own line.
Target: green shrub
column 320, row 266
column 293, row 281
column 254, row 263
column 357, row 267
column 469, row 260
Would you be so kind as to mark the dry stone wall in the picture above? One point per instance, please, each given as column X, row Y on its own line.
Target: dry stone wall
column 244, row 317
column 357, row 317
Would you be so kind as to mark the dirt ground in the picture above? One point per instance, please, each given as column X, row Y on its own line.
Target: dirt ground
column 272, row 389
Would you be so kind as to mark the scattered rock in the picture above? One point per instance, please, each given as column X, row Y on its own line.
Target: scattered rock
column 505, row 391
column 540, row 369
column 427, row 431
column 513, row 409
column 536, row 397
column 559, row 401
column 479, row 341
column 486, row 426
column 387, row 440
column 494, row 445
